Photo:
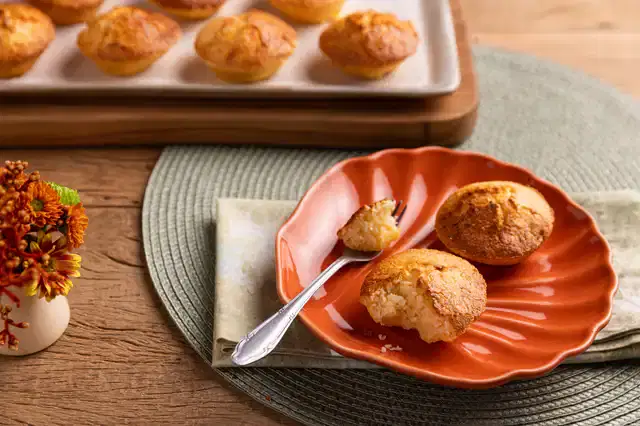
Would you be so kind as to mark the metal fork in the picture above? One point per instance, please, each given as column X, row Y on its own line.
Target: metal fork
column 264, row 338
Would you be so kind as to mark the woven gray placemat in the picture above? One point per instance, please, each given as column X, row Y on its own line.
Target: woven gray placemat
column 564, row 126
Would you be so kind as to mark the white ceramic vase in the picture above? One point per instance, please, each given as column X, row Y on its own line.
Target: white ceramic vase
column 47, row 322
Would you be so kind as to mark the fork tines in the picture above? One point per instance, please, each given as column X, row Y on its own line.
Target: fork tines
column 401, row 207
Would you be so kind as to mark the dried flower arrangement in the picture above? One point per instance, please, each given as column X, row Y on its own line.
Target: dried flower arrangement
column 40, row 224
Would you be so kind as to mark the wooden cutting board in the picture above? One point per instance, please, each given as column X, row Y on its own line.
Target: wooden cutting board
column 41, row 120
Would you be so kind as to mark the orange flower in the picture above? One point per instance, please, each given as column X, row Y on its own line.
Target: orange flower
column 77, row 222
column 45, row 204
column 50, row 277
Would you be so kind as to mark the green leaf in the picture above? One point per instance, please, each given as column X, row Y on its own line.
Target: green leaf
column 68, row 196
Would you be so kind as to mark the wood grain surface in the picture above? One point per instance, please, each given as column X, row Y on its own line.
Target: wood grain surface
column 121, row 361
column 92, row 120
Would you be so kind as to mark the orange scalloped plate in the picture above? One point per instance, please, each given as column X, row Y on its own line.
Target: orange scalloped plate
column 539, row 312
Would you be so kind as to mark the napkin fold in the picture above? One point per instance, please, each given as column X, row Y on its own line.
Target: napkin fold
column 245, row 292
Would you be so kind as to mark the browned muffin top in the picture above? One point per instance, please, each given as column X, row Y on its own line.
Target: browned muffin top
column 435, row 292
column 128, row 33
column 369, row 38
column 190, row 4
column 67, row 4
column 494, row 222
column 25, row 32
column 245, row 41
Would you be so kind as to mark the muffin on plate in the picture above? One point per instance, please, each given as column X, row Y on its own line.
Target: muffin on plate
column 67, row 12
column 190, row 9
column 25, row 33
column 245, row 48
column 496, row 222
column 372, row 228
column 369, row 44
column 127, row 40
column 309, row 11
column 436, row 293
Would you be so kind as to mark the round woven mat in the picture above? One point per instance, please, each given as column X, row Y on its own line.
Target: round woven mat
column 566, row 127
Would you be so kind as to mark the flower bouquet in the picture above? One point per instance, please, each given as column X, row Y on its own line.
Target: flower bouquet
column 41, row 223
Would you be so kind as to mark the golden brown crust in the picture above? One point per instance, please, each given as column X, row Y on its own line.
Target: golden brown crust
column 25, row 32
column 369, row 38
column 308, row 4
column 309, row 11
column 68, row 12
column 251, row 41
column 128, row 33
column 190, row 4
column 72, row 5
column 456, row 289
column 497, row 222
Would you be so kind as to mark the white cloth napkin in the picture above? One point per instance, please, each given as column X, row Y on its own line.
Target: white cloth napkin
column 245, row 292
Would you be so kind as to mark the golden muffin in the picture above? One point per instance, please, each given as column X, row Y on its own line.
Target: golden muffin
column 128, row 40
column 67, row 12
column 190, row 9
column 246, row 48
column 309, row 11
column 372, row 228
column 436, row 293
column 369, row 44
column 496, row 223
column 25, row 33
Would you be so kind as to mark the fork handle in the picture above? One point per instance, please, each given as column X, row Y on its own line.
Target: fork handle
column 264, row 338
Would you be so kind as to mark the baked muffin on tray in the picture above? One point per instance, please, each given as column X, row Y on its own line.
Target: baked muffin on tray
column 190, row 9
column 309, row 11
column 245, row 48
column 369, row 44
column 495, row 222
column 25, row 33
column 436, row 293
column 67, row 12
column 127, row 40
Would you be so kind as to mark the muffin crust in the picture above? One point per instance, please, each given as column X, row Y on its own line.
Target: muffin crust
column 190, row 9
column 127, row 40
column 67, row 12
column 496, row 222
column 25, row 33
column 245, row 48
column 309, row 11
column 436, row 293
column 369, row 44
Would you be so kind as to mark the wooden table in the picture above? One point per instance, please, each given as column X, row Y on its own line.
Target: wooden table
column 121, row 361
